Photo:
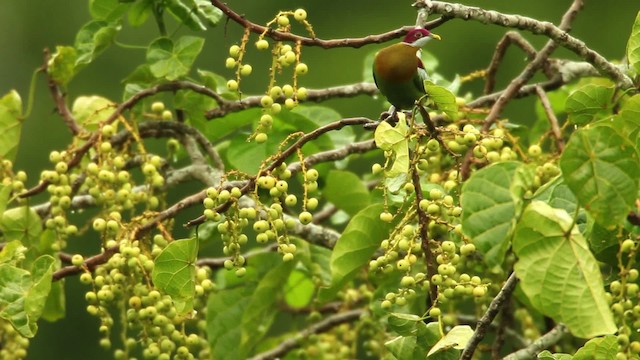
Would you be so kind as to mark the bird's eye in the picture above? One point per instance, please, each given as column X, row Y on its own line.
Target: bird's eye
column 418, row 35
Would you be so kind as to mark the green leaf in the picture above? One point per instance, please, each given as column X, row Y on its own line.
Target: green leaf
column 109, row 10
column 10, row 124
column 628, row 121
column 174, row 272
column 55, row 306
column 262, row 306
column 173, row 60
column 633, row 45
column 602, row 170
column 405, row 348
column 22, row 224
column 456, row 338
column 346, row 191
column 443, row 99
column 139, row 12
column 588, row 103
column 557, row 194
column 61, row 65
column 322, row 115
column 207, row 11
column 547, row 355
column 558, row 273
column 355, row 247
column 224, row 309
column 490, row 209
column 405, row 324
column 92, row 39
column 299, row 289
column 185, row 14
column 23, row 294
column 92, row 110
column 394, row 139
column 12, row 252
column 603, row 348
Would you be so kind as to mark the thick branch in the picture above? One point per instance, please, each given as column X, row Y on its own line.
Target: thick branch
column 555, row 33
column 227, row 106
column 487, row 318
column 320, row 327
column 544, row 342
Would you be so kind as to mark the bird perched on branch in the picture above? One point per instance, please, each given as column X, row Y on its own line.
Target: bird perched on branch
column 399, row 73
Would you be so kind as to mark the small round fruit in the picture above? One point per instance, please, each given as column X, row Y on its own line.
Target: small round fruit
column 302, row 69
column 167, row 115
column 386, row 216
column 262, row 44
column 305, row 217
column 266, row 101
column 230, row 63
column 245, row 70
column 234, row 51
column 479, row 291
column 232, row 85
column 300, row 14
column 261, row 137
column 301, row 94
column 283, row 20
column 157, row 107
column 534, row 151
column 266, row 120
column 312, row 175
column 77, row 260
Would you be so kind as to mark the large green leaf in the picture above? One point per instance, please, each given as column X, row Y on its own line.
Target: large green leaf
column 10, row 124
column 558, row 273
column 262, row 306
column 224, row 310
column 589, row 103
column 90, row 111
column 490, row 209
column 602, row 169
column 299, row 289
column 23, row 294
column 139, row 12
column 211, row 14
column 557, row 194
column 443, row 99
column 92, row 39
column 456, row 338
column 355, row 247
column 21, row 224
column 628, row 121
column 345, row 190
column 173, row 60
column 633, row 46
column 602, row 348
column 174, row 272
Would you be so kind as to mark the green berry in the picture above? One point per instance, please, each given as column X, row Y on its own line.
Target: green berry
column 386, row 216
column 312, row 175
column 99, row 224
column 234, row 51
column 262, row 44
column 283, row 20
column 232, row 85
column 261, row 137
column 305, row 217
column 77, row 260
column 300, row 14
column 230, row 63
column 246, row 70
column 302, row 93
column 534, row 151
column 266, row 101
column 302, row 69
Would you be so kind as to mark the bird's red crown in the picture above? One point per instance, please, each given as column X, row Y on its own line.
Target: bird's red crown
column 416, row 34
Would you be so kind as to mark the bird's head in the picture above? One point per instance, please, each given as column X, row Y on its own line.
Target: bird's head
column 418, row 37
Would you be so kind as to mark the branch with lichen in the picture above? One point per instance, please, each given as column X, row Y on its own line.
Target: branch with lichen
column 555, row 33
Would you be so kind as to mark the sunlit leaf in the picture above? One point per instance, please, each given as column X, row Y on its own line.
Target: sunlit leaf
column 558, row 273
column 394, row 139
column 92, row 110
column 109, row 10
column 139, row 12
column 633, row 45
column 589, row 103
column 299, row 289
column 187, row 15
column 173, row 60
column 224, row 310
column 602, row 348
column 10, row 124
column 23, row 224
column 174, row 272
column 602, row 169
column 61, row 65
column 456, row 338
column 207, row 11
column 443, row 99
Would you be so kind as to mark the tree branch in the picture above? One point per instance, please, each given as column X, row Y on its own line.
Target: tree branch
column 557, row 34
column 553, row 120
column 227, row 106
column 320, row 327
column 59, row 98
column 326, row 44
column 544, row 342
column 487, row 318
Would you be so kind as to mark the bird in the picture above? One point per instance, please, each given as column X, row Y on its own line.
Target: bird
column 398, row 71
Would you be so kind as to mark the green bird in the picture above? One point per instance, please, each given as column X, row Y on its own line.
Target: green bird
column 399, row 73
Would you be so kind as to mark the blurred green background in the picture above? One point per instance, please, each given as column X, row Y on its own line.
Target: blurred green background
column 27, row 27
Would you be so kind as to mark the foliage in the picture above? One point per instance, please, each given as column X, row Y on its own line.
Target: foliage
column 320, row 258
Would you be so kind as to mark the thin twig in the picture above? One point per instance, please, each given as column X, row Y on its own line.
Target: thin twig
column 297, row 338
column 326, row 44
column 543, row 342
column 59, row 98
column 511, row 37
column 553, row 120
column 486, row 320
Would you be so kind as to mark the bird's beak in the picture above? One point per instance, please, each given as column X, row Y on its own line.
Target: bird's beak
column 435, row 36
